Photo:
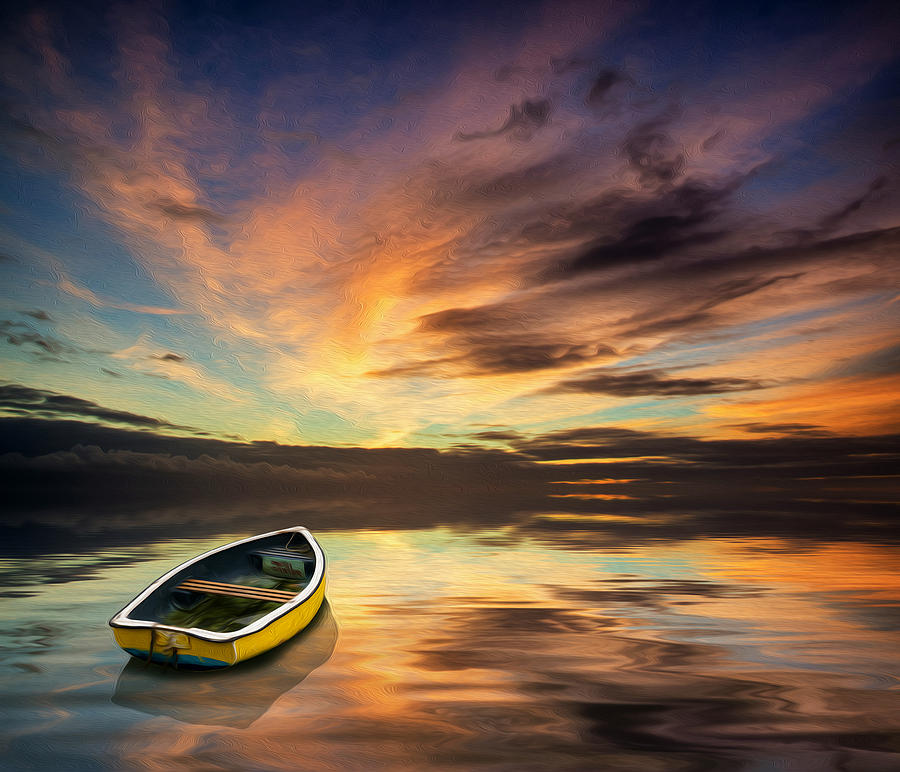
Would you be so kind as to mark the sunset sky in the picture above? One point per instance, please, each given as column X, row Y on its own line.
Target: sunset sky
column 445, row 225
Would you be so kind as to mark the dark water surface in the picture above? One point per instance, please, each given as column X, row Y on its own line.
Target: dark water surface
column 477, row 650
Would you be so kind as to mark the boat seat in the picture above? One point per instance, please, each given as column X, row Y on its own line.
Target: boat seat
column 283, row 562
column 284, row 552
column 236, row 590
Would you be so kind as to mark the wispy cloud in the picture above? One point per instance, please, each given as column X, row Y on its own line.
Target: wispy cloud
column 651, row 383
column 21, row 400
column 524, row 119
column 83, row 293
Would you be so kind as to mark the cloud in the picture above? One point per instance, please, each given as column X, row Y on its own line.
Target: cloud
column 146, row 357
column 187, row 212
column 785, row 456
column 493, row 356
column 524, row 119
column 98, row 461
column 808, row 430
column 653, row 154
column 698, row 313
column 499, row 435
column 24, row 400
column 678, row 222
column 83, row 293
column 650, row 383
column 455, row 319
column 602, row 85
column 832, row 221
column 52, row 468
column 126, row 482
column 19, row 334
column 40, row 315
column 880, row 361
column 524, row 183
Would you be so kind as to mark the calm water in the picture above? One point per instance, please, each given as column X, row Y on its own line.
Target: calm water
column 448, row 650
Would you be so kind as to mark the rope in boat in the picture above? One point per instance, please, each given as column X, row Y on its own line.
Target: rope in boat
column 169, row 648
column 152, row 642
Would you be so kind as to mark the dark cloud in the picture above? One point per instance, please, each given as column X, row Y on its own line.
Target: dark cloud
column 876, row 247
column 675, row 221
column 882, row 361
column 507, row 72
column 489, row 356
column 129, row 482
column 835, row 219
column 494, row 338
column 582, row 220
column 699, row 313
column 652, row 153
column 418, row 368
column 697, row 288
column 790, row 454
column 499, row 358
column 712, row 140
column 670, row 324
column 635, row 231
column 143, row 470
column 808, row 430
column 24, row 400
column 18, row 334
column 39, row 315
column 562, row 66
column 645, row 383
column 524, row 183
column 50, row 468
column 455, row 319
column 170, row 357
column 830, row 222
column 187, row 212
column 499, row 435
column 524, row 119
column 602, row 85
column 110, row 373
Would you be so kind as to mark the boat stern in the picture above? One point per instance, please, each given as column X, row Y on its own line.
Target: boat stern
column 174, row 648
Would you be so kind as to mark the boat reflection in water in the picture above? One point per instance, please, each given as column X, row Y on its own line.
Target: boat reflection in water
column 235, row 696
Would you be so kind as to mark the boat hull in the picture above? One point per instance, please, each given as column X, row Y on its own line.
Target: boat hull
column 195, row 653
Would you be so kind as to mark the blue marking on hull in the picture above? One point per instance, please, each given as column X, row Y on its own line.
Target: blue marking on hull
column 186, row 660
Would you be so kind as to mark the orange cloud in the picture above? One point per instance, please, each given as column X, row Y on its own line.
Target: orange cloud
column 858, row 406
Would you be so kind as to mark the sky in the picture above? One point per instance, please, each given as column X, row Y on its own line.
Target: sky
column 462, row 226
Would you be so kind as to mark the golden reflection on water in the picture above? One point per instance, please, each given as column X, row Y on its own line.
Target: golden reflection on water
column 445, row 650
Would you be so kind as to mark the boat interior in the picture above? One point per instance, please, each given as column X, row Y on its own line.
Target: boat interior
column 231, row 589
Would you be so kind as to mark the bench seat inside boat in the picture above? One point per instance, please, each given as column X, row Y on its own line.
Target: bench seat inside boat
column 283, row 562
column 235, row 590
column 283, row 552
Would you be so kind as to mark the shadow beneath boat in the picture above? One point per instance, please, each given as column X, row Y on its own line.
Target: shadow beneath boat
column 235, row 696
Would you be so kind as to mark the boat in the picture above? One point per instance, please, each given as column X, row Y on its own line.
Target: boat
column 228, row 604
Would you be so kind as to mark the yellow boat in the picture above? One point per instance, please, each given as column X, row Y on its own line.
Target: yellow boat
column 228, row 604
